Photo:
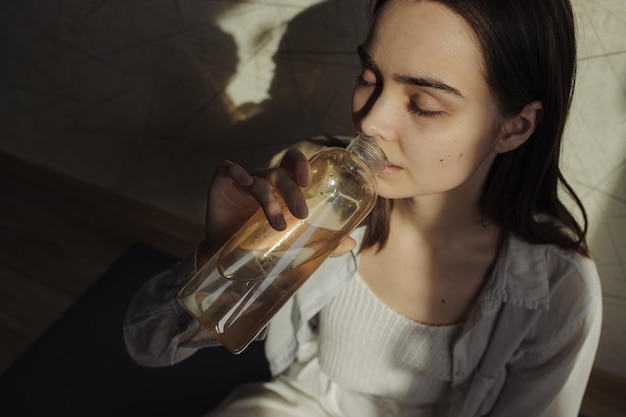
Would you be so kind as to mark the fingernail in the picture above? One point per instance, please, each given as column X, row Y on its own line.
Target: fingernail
column 279, row 222
column 302, row 210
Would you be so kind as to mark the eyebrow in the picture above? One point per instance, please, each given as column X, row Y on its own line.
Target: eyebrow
column 368, row 62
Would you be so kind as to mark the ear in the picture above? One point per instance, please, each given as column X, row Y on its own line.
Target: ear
column 517, row 129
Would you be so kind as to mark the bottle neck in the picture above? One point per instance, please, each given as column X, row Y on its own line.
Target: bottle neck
column 366, row 149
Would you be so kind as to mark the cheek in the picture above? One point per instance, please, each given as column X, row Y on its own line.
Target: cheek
column 462, row 152
column 455, row 156
column 469, row 140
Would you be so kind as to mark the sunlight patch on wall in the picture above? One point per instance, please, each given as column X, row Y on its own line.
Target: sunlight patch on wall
column 257, row 31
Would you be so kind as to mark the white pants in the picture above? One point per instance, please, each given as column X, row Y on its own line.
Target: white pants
column 305, row 391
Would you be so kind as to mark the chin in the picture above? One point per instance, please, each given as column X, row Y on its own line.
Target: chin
column 391, row 194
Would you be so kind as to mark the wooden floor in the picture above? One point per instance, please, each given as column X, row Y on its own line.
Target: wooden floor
column 57, row 236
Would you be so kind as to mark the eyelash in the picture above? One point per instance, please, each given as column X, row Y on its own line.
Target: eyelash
column 413, row 108
column 363, row 82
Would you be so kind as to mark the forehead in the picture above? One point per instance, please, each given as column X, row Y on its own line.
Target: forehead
column 426, row 38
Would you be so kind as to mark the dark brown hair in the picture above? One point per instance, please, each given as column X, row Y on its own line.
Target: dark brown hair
column 529, row 48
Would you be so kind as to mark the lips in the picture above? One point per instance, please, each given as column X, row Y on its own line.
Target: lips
column 390, row 169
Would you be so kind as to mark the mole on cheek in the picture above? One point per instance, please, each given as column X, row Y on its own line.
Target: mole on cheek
column 461, row 155
column 441, row 160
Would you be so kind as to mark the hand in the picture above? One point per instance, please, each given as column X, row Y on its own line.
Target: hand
column 234, row 195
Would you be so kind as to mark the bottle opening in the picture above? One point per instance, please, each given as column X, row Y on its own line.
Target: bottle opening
column 366, row 148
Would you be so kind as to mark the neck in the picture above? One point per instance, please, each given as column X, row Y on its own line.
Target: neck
column 445, row 218
column 438, row 218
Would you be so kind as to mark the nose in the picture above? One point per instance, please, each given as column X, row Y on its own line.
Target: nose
column 375, row 115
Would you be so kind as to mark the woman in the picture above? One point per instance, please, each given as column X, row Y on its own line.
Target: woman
column 470, row 289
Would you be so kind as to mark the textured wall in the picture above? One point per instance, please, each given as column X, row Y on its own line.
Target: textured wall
column 144, row 96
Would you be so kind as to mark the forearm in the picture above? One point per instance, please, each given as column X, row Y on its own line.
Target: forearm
column 157, row 329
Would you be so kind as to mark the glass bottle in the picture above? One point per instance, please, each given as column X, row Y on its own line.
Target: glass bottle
column 246, row 282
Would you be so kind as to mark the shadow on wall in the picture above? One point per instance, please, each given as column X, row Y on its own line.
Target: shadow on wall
column 145, row 97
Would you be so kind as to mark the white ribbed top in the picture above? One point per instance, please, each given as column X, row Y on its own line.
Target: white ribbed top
column 367, row 347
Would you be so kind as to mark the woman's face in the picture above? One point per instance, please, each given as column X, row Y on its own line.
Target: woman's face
column 423, row 96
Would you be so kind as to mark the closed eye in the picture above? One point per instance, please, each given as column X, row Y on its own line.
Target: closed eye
column 362, row 81
column 414, row 108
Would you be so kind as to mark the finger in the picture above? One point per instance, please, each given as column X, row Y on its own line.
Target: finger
column 345, row 246
column 298, row 165
column 262, row 191
column 289, row 191
column 237, row 173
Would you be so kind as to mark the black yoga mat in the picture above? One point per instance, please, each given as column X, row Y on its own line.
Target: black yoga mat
column 80, row 367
